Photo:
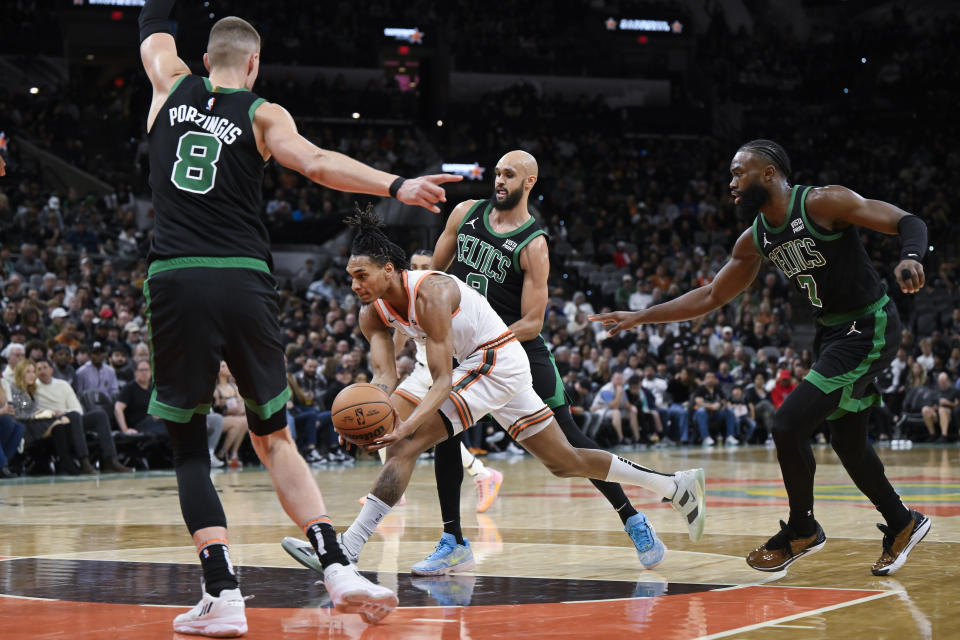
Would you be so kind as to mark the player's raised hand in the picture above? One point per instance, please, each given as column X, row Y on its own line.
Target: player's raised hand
column 617, row 321
column 426, row 191
column 909, row 274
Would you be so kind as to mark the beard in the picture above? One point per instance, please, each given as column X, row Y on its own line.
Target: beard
column 512, row 199
column 751, row 199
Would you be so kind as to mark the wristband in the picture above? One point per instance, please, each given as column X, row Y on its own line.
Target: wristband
column 913, row 233
column 395, row 186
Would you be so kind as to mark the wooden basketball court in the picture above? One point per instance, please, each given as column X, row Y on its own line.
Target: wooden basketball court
column 110, row 558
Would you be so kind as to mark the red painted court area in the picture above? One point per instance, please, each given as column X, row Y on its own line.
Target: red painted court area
column 675, row 617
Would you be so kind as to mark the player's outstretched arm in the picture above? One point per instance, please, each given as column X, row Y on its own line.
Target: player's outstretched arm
column 337, row 171
column 446, row 247
column 734, row 277
column 158, row 51
column 837, row 207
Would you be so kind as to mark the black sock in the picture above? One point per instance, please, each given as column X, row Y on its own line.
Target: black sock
column 448, row 469
column 324, row 540
column 804, row 526
column 626, row 511
column 217, row 569
column 453, row 528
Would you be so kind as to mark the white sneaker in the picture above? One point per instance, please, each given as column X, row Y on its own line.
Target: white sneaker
column 709, row 442
column 215, row 462
column 731, row 441
column 352, row 593
column 217, row 617
column 690, row 500
column 514, row 450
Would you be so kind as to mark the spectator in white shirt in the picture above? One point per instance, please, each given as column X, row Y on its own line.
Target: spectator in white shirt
column 58, row 396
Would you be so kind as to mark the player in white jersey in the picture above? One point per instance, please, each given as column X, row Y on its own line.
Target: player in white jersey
column 416, row 385
column 492, row 377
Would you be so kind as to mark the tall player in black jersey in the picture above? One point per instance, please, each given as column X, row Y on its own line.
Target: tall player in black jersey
column 810, row 233
column 500, row 250
column 211, row 296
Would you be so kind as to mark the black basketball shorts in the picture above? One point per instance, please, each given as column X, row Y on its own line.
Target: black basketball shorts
column 851, row 349
column 204, row 310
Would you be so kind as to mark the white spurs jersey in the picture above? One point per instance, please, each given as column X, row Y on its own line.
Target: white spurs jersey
column 475, row 324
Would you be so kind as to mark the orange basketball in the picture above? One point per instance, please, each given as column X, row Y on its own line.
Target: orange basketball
column 362, row 413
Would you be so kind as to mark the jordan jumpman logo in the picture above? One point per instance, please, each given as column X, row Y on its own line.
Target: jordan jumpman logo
column 853, row 329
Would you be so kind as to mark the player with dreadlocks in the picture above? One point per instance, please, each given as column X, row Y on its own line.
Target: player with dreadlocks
column 493, row 377
column 810, row 233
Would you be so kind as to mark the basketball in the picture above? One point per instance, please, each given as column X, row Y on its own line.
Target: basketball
column 362, row 413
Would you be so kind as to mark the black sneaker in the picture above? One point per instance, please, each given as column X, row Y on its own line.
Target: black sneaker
column 897, row 545
column 785, row 548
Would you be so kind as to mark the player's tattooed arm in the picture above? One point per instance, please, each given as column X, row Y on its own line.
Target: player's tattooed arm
column 382, row 359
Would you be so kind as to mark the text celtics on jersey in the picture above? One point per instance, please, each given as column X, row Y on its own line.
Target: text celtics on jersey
column 483, row 257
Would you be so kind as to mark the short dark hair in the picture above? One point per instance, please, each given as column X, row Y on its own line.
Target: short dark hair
column 771, row 150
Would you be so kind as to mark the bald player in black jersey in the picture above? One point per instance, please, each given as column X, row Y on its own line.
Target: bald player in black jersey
column 810, row 233
column 211, row 296
column 497, row 247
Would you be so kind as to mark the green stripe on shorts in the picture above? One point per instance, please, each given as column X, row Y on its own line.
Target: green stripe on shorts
column 845, row 381
column 559, row 397
column 271, row 406
column 174, row 414
column 210, row 262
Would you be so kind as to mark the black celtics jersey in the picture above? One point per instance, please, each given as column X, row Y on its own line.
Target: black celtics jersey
column 490, row 262
column 831, row 269
column 206, row 174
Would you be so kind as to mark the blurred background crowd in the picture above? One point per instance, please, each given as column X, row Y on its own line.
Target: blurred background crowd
column 632, row 191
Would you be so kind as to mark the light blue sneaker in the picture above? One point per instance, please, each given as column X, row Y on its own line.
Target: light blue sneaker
column 448, row 557
column 650, row 549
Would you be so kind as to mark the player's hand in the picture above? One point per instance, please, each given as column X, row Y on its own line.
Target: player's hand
column 617, row 321
column 426, row 191
column 3, row 167
column 909, row 274
column 401, row 430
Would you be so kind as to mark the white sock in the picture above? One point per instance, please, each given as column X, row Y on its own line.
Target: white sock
column 627, row 472
column 371, row 513
column 472, row 463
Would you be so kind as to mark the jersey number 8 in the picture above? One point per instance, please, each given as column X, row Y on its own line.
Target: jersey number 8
column 196, row 167
column 478, row 282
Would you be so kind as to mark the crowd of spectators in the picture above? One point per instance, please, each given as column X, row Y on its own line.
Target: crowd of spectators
column 633, row 219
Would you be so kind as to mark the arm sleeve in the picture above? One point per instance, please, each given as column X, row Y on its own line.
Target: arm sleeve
column 155, row 18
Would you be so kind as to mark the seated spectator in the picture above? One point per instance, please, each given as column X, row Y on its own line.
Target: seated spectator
column 711, row 410
column 581, row 399
column 11, row 435
column 69, row 443
column 784, row 386
column 744, row 413
column 947, row 400
column 612, row 403
column 133, row 401
column 14, row 353
column 96, row 375
column 756, row 395
column 63, row 364
column 644, row 402
column 121, row 364
column 58, row 396
column 679, row 389
column 228, row 403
